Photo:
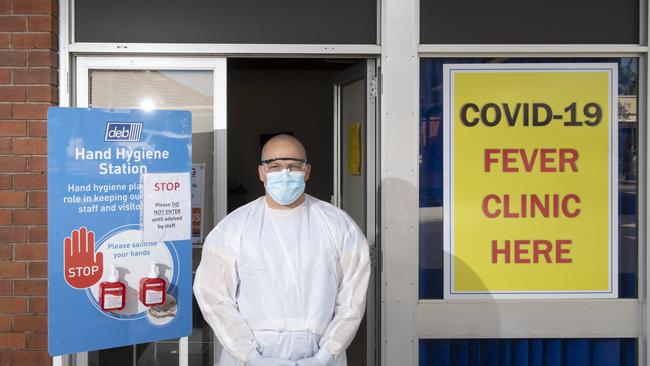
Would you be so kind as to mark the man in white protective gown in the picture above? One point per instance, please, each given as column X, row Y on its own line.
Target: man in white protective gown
column 283, row 279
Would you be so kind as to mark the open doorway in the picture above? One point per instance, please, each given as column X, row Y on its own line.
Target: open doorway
column 324, row 103
column 320, row 101
column 271, row 96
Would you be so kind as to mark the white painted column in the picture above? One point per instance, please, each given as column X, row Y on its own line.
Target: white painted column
column 399, row 180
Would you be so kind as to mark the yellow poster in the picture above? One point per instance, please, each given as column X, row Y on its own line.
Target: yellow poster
column 354, row 149
column 530, row 180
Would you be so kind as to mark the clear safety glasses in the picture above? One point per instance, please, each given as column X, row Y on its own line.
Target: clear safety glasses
column 280, row 164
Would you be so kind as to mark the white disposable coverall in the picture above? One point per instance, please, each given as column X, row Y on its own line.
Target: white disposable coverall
column 284, row 282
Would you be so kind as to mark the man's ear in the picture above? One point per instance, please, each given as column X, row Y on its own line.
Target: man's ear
column 307, row 171
column 261, row 173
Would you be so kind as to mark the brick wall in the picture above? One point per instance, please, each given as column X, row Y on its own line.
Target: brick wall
column 28, row 80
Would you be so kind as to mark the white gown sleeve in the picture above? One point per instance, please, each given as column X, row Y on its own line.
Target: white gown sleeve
column 351, row 298
column 215, row 288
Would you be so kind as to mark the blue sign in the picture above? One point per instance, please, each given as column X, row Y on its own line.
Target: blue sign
column 107, row 286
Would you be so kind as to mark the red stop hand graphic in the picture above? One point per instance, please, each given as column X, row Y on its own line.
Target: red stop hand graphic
column 82, row 267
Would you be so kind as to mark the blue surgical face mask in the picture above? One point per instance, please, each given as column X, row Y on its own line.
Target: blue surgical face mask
column 284, row 186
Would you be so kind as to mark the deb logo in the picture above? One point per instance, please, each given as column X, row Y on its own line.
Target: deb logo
column 123, row 131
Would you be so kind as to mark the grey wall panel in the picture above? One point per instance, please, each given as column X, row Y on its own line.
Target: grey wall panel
column 227, row 21
column 529, row 21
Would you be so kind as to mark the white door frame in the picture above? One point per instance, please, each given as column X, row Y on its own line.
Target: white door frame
column 218, row 67
column 367, row 70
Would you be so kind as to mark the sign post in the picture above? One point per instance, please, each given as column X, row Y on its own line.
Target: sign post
column 118, row 274
column 530, row 180
column 198, row 209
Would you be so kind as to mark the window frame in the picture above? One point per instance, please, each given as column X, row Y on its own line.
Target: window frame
column 535, row 318
column 406, row 318
column 217, row 65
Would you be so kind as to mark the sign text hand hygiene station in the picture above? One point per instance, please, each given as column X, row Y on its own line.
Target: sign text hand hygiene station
column 119, row 220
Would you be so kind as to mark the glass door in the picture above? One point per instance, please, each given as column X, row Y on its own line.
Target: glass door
column 355, row 103
column 197, row 85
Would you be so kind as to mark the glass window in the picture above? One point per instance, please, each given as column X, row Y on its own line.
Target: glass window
column 208, row 21
column 547, row 352
column 166, row 89
column 431, row 170
column 529, row 22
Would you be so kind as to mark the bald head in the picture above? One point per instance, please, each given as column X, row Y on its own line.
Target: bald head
column 284, row 146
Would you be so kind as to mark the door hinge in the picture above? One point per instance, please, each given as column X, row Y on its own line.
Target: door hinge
column 372, row 86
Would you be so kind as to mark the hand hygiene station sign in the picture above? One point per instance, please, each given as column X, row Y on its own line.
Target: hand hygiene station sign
column 119, row 264
column 530, row 181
